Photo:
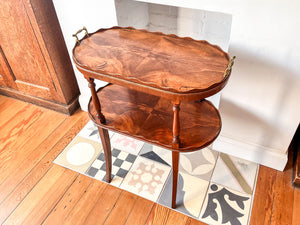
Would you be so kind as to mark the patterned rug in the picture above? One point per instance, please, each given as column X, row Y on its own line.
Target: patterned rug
column 213, row 187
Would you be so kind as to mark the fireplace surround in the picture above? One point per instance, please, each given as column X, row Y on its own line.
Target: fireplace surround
column 259, row 108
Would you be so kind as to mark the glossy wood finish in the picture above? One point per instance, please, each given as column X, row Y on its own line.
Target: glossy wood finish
column 93, row 203
column 107, row 151
column 161, row 64
column 149, row 118
column 150, row 69
column 34, row 62
column 96, row 103
column 175, row 165
column 176, row 126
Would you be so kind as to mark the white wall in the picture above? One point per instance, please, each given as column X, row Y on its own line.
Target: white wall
column 131, row 13
column 185, row 22
column 260, row 105
column 72, row 16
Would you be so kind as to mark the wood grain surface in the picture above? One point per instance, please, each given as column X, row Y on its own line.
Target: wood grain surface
column 140, row 212
column 34, row 62
column 192, row 221
column 28, row 201
column 176, row 218
column 158, row 215
column 69, row 200
column 283, row 195
column 34, row 210
column 296, row 207
column 104, row 205
column 9, row 107
column 126, row 198
column 85, row 204
column 149, row 118
column 158, row 60
column 262, row 205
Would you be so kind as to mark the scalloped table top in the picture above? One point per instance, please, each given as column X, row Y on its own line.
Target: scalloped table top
column 153, row 59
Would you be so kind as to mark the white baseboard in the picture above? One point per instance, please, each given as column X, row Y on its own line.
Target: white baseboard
column 251, row 152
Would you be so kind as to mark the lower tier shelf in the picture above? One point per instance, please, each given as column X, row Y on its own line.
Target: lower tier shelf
column 150, row 118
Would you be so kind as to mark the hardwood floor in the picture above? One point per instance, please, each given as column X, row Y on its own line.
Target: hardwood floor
column 33, row 190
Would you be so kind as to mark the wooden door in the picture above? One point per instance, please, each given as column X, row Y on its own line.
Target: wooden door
column 22, row 63
column 6, row 75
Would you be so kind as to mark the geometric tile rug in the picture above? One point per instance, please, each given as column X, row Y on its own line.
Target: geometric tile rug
column 213, row 187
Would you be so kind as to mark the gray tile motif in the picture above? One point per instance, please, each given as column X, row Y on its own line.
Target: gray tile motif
column 121, row 163
column 90, row 131
column 217, row 192
column 166, row 198
column 147, row 152
column 235, row 173
column 199, row 163
column 225, row 206
column 146, row 178
column 190, row 194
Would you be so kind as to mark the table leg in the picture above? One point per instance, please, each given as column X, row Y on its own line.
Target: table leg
column 107, row 151
column 176, row 125
column 99, row 116
column 175, row 164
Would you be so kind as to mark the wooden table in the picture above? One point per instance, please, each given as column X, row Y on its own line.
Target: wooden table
column 153, row 76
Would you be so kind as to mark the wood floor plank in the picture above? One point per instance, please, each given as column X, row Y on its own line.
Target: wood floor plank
column 140, row 212
column 69, row 200
column 13, row 129
column 5, row 99
column 192, row 221
column 41, row 187
column 11, row 140
column 11, row 158
column 283, row 198
column 86, row 203
column 158, row 215
column 2, row 99
column 64, row 130
column 43, row 197
column 32, row 178
column 264, row 195
column 176, row 218
column 9, row 108
column 122, row 209
column 296, row 207
column 103, row 206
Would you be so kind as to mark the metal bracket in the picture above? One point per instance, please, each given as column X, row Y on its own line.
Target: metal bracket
column 228, row 69
column 75, row 35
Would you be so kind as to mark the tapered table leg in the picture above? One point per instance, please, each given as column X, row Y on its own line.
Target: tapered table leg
column 175, row 145
column 175, row 163
column 107, row 151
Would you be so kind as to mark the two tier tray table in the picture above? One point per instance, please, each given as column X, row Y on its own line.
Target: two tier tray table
column 157, row 88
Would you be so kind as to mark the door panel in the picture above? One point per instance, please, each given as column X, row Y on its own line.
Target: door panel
column 22, row 51
column 6, row 76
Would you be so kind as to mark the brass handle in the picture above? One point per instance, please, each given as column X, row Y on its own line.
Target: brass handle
column 228, row 69
column 75, row 35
